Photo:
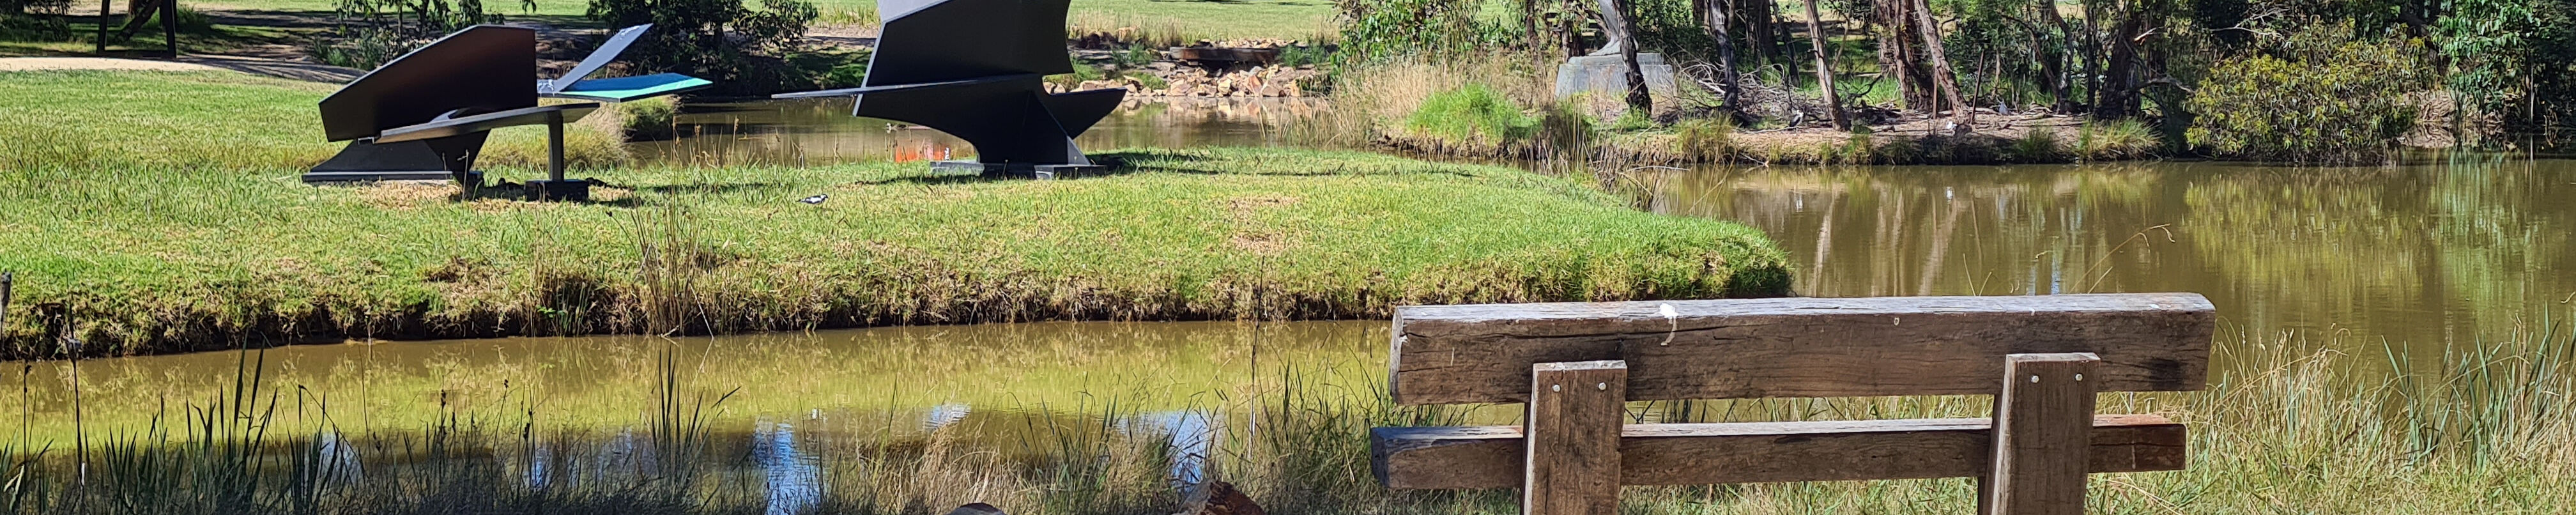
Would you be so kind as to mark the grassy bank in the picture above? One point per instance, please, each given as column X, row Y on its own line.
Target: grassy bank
column 157, row 244
column 2291, row 429
column 216, row 121
column 1505, row 107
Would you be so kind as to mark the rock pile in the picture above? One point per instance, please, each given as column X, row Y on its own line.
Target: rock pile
column 1269, row 81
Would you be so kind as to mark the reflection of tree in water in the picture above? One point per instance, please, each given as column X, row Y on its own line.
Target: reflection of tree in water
column 2419, row 255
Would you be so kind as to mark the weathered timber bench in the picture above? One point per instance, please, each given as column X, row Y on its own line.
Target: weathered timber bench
column 1576, row 365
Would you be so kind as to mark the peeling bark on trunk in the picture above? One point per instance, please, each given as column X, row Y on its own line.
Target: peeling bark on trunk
column 1942, row 76
column 1898, row 58
column 1825, row 69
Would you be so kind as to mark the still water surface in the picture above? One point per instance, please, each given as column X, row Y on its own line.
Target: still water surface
column 2413, row 259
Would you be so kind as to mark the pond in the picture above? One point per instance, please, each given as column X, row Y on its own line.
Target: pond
column 2406, row 262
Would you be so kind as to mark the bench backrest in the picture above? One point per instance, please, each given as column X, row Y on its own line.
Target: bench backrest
column 1575, row 365
column 1799, row 347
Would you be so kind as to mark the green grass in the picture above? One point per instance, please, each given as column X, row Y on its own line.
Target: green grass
column 81, row 39
column 221, row 120
column 168, row 243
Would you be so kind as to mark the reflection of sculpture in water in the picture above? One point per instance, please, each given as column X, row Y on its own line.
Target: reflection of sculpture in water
column 1615, row 28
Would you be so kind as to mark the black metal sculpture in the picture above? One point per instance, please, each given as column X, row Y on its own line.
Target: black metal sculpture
column 975, row 69
column 426, row 114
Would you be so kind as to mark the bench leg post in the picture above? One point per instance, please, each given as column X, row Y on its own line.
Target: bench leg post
column 1572, row 429
column 2043, row 436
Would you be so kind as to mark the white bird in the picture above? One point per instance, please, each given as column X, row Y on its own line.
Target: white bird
column 817, row 199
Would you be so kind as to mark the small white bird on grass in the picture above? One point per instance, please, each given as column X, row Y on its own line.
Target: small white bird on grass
column 816, row 199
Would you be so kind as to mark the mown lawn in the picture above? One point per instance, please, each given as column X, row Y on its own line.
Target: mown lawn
column 168, row 217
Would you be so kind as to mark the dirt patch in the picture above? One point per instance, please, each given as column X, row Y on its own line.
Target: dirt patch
column 407, row 194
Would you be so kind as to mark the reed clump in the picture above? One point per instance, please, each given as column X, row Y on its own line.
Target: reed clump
column 2481, row 428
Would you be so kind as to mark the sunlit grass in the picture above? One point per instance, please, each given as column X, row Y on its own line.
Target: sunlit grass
column 216, row 120
column 203, row 238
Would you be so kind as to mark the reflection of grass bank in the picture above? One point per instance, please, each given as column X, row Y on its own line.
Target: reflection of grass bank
column 155, row 243
column 2481, row 431
column 1505, row 108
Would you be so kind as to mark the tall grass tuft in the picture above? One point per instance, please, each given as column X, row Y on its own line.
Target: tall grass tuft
column 1470, row 116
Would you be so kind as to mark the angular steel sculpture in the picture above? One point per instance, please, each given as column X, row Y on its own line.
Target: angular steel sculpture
column 426, row 114
column 975, row 69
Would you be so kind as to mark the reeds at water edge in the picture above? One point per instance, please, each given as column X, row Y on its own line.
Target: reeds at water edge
column 2293, row 423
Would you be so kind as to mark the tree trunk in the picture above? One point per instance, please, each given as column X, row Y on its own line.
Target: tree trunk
column 1569, row 27
column 2092, row 55
column 2119, row 97
column 1717, row 21
column 1529, row 25
column 1941, row 74
column 1761, row 26
column 1617, row 11
column 2053, row 60
column 1825, row 68
column 1898, row 55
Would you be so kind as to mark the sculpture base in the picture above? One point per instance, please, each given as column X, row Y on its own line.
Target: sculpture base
column 381, row 176
column 574, row 190
column 1016, row 170
column 1606, row 76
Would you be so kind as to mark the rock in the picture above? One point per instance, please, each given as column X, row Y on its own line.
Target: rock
column 977, row 509
column 1219, row 498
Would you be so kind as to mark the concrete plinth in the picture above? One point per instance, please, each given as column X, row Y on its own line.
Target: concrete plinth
column 1606, row 76
column 1016, row 170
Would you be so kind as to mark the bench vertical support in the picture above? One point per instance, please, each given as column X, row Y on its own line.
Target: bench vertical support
column 1575, row 410
column 2043, row 430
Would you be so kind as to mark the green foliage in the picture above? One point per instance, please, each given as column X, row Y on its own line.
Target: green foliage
column 2515, row 58
column 1632, row 121
column 2325, row 101
column 720, row 40
column 1474, row 113
column 1377, row 30
column 1305, row 55
column 1148, row 80
column 2121, row 139
column 650, row 119
column 382, row 30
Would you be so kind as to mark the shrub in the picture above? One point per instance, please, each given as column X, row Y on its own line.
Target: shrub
column 720, row 40
column 650, row 119
column 2037, row 146
column 2341, row 102
column 1703, row 139
column 382, row 30
column 2122, row 139
column 1474, row 113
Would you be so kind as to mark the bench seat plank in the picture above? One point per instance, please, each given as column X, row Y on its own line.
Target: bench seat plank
column 1761, row 452
column 1799, row 347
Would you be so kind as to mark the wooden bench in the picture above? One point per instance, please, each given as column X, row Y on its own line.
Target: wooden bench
column 1577, row 365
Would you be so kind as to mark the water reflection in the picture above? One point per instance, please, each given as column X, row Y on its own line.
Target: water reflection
column 2414, row 257
column 821, row 131
column 794, row 479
